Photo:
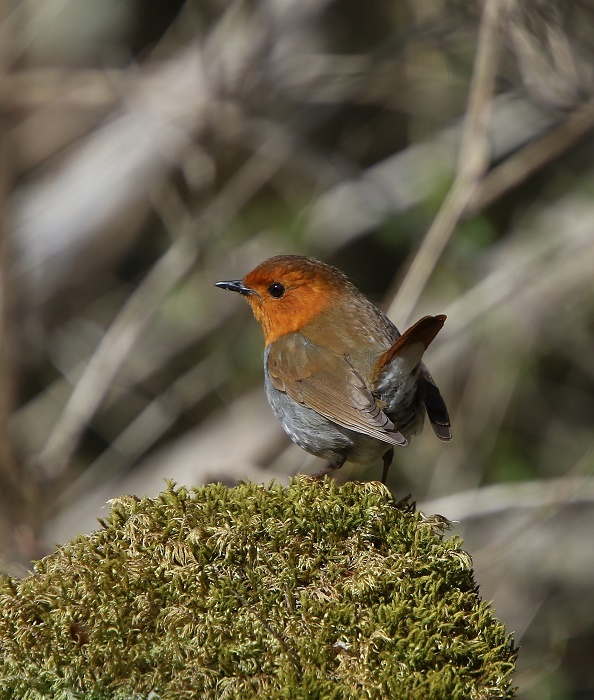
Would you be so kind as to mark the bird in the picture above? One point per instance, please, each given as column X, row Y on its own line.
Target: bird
column 339, row 376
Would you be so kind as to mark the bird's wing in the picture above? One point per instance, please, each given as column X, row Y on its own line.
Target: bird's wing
column 329, row 384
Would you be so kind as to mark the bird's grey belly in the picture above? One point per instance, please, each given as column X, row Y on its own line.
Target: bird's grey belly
column 320, row 436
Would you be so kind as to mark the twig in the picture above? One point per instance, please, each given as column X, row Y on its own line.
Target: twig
column 472, row 163
column 18, row 512
column 531, row 158
column 147, row 428
column 546, row 265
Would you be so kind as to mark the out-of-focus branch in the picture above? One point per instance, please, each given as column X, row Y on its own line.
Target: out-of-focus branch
column 14, row 485
column 408, row 178
column 535, row 155
column 9, row 472
column 559, row 269
column 472, row 163
column 81, row 88
column 148, row 427
column 496, row 499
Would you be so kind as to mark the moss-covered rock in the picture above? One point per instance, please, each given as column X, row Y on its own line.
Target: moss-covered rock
column 311, row 591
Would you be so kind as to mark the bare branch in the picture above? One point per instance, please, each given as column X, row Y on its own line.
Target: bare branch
column 472, row 163
column 532, row 158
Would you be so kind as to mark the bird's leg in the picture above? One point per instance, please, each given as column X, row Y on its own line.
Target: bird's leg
column 388, row 457
column 327, row 468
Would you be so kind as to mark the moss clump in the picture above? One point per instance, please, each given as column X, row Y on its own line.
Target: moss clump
column 311, row 591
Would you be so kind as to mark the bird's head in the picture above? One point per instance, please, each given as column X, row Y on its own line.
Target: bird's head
column 288, row 291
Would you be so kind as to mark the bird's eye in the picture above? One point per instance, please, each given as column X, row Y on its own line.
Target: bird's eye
column 276, row 290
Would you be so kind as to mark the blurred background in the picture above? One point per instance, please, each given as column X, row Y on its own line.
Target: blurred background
column 439, row 152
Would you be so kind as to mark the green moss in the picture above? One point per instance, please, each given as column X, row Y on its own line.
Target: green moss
column 311, row 591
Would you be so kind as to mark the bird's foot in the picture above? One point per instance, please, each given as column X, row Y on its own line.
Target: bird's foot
column 388, row 457
column 326, row 469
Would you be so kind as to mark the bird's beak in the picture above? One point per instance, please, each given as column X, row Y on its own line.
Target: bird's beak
column 236, row 286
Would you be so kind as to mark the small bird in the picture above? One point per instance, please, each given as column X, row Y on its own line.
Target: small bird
column 340, row 378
